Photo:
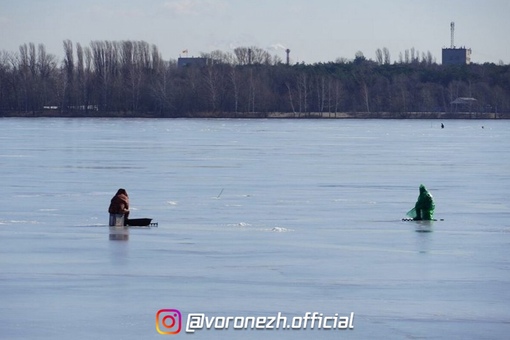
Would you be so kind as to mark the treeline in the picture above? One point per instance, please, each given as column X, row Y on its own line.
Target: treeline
column 131, row 78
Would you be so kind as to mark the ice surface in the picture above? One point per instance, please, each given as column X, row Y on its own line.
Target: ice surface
column 255, row 217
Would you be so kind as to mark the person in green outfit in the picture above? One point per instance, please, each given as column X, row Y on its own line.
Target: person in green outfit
column 424, row 207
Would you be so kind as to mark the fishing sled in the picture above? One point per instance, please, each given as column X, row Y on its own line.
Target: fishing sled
column 413, row 220
column 119, row 220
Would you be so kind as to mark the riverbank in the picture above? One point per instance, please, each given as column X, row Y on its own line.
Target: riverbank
column 269, row 115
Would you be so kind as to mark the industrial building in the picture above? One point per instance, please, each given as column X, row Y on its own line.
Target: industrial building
column 456, row 56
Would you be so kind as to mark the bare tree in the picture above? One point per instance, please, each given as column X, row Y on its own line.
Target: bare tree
column 25, row 78
column 386, row 53
column 81, row 78
column 260, row 56
column 68, row 75
column 303, row 92
column 32, row 60
column 251, row 102
column 218, row 56
column 291, row 101
column 379, row 56
column 98, row 50
column 429, row 59
column 321, row 92
column 252, row 55
column 235, row 87
column 211, row 82
column 338, row 86
column 243, row 55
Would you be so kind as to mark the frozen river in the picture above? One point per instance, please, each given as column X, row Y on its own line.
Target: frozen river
column 255, row 218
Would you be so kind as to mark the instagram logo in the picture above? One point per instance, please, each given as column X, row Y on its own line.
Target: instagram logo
column 168, row 321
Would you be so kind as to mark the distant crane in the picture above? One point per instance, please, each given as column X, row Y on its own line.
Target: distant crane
column 452, row 29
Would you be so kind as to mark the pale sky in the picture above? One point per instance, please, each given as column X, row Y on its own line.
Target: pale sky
column 314, row 30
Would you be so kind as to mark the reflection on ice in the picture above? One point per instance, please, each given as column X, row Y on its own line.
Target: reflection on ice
column 119, row 233
column 424, row 226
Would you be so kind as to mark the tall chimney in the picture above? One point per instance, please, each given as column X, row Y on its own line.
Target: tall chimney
column 288, row 59
column 452, row 28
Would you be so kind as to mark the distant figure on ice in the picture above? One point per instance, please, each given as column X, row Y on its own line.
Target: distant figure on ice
column 119, row 205
column 442, row 126
column 424, row 207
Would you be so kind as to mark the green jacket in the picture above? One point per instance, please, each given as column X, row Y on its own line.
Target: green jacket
column 424, row 205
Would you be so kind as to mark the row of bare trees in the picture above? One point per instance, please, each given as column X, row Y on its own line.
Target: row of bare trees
column 130, row 78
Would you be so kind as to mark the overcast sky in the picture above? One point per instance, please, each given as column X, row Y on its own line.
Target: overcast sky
column 314, row 30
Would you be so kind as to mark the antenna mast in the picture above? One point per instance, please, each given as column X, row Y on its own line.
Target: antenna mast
column 452, row 28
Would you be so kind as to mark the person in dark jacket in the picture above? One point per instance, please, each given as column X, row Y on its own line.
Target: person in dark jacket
column 120, row 204
column 424, row 206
